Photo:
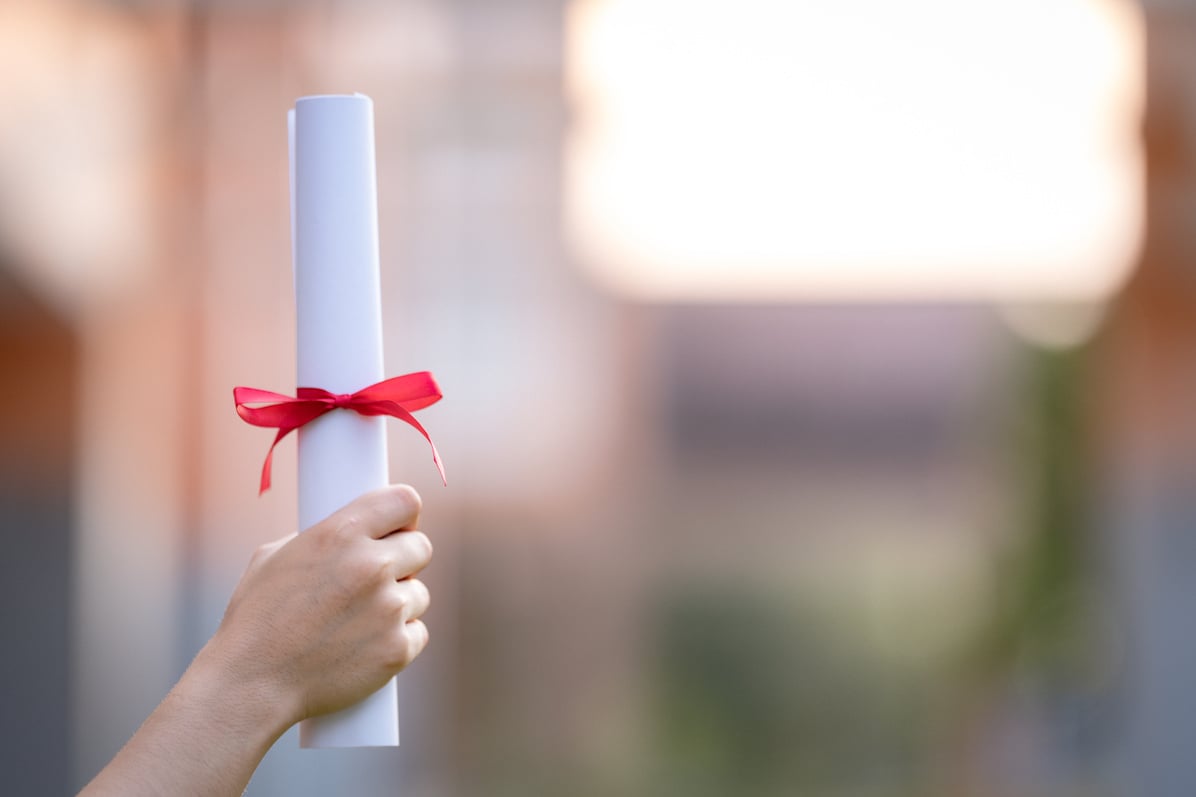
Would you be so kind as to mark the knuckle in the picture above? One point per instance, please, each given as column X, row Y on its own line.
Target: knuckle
column 422, row 595
column 396, row 602
column 399, row 652
column 408, row 600
column 422, row 545
column 347, row 527
column 407, row 642
column 416, row 634
column 409, row 499
column 365, row 568
column 377, row 570
column 420, row 637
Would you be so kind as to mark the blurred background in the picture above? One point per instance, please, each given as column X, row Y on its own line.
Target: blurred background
column 821, row 384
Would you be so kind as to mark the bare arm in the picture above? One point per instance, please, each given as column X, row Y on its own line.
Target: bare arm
column 318, row 622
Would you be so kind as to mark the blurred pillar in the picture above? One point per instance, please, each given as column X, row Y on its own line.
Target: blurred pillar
column 38, row 355
column 1149, row 392
column 128, row 524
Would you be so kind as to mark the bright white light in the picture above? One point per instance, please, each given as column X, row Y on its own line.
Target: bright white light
column 760, row 149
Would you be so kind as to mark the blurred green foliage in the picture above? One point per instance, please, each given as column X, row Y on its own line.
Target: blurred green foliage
column 1041, row 616
column 757, row 696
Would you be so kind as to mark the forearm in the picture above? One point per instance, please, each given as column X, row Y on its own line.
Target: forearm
column 205, row 738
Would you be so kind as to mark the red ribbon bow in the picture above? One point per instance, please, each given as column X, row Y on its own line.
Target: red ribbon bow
column 397, row 397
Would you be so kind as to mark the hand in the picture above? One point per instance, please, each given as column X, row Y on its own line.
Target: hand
column 319, row 621
column 322, row 619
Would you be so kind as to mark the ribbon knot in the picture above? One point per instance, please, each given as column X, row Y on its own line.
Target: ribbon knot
column 397, row 397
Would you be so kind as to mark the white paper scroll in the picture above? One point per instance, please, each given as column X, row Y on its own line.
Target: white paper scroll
column 334, row 235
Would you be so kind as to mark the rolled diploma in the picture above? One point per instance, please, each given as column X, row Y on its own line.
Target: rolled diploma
column 334, row 219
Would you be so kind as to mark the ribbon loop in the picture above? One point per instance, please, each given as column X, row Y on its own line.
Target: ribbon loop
column 397, row 397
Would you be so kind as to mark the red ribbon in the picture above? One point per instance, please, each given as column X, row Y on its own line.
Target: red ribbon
column 397, row 397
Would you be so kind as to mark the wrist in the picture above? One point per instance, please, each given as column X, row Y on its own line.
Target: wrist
column 206, row 737
column 250, row 707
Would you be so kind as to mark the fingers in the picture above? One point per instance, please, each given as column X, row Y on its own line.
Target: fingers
column 407, row 551
column 407, row 642
column 417, row 638
column 377, row 514
column 412, row 599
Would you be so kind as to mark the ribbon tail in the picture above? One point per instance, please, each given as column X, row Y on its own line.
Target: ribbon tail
column 268, row 464
column 396, row 410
